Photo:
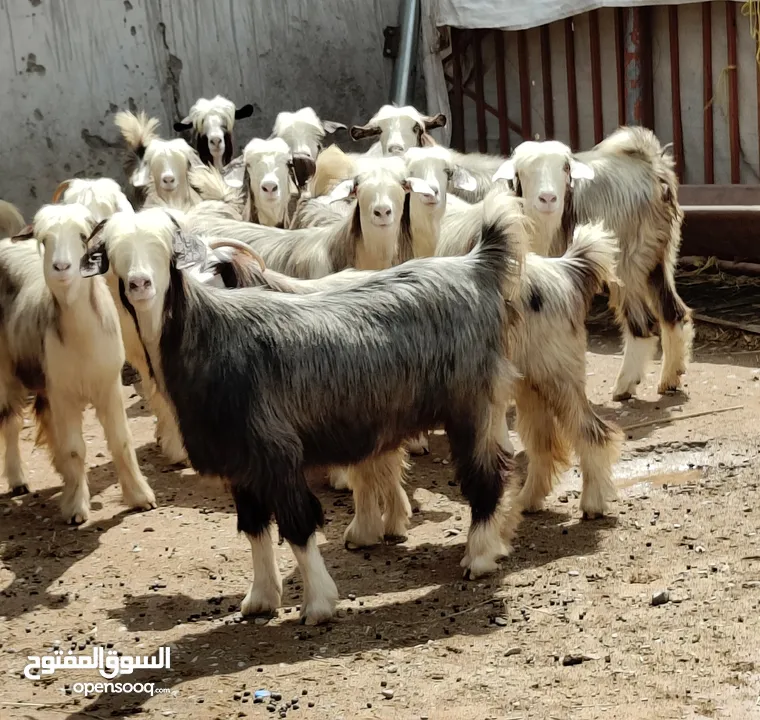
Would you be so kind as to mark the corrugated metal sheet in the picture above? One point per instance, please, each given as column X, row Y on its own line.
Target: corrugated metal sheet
column 66, row 66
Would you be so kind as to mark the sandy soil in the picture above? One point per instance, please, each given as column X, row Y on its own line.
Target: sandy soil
column 567, row 629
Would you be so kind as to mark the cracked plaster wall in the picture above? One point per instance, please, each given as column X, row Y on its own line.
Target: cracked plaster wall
column 66, row 66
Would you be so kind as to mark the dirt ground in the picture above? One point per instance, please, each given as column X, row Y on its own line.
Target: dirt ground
column 567, row 629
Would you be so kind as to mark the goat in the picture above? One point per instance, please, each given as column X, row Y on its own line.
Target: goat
column 211, row 122
column 11, row 219
column 399, row 128
column 264, row 176
column 267, row 385
column 102, row 196
column 61, row 342
column 303, row 131
column 628, row 182
column 366, row 239
column 403, row 128
column 548, row 340
column 157, row 169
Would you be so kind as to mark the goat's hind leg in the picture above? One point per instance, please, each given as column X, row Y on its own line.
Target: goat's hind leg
column 676, row 329
column 14, row 465
column 481, row 465
column 639, row 325
column 134, row 487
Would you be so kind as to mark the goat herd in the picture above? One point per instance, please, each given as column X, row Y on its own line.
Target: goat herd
column 388, row 293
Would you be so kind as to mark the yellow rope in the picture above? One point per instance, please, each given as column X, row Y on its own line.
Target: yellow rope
column 751, row 9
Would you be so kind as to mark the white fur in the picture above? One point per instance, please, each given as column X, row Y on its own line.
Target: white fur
column 301, row 130
column 320, row 595
column 265, row 593
column 164, row 169
column 213, row 118
column 82, row 357
column 102, row 197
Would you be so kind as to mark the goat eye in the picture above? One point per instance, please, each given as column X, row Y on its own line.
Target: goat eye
column 83, row 237
column 417, row 128
column 449, row 172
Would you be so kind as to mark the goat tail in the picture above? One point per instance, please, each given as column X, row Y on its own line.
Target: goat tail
column 590, row 260
column 11, row 220
column 503, row 240
column 210, row 185
column 333, row 166
column 137, row 130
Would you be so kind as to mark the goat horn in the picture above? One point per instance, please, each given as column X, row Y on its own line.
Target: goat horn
column 228, row 242
column 62, row 187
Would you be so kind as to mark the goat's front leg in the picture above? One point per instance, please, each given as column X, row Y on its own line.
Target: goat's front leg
column 14, row 465
column 136, row 492
column 68, row 457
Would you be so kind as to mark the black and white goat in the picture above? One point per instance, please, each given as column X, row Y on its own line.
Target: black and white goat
column 629, row 183
column 268, row 385
column 211, row 122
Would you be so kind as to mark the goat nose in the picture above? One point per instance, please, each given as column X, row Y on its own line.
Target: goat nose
column 270, row 186
column 139, row 282
column 61, row 266
column 382, row 211
column 547, row 197
column 395, row 149
column 215, row 142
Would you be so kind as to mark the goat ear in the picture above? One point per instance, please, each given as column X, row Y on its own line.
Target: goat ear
column 462, row 180
column 60, row 190
column 505, row 172
column 580, row 171
column 436, row 121
column 244, row 112
column 330, row 126
column 26, row 233
column 189, row 250
column 95, row 260
column 417, row 185
column 343, row 190
column 359, row 132
column 140, row 176
column 302, row 168
column 184, row 125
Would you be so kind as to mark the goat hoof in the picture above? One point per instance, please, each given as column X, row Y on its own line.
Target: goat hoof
column 77, row 519
column 622, row 397
column 393, row 539
column 22, row 489
column 593, row 515
column 466, row 574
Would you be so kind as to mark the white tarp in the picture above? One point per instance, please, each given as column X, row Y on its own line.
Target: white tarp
column 486, row 14
column 522, row 14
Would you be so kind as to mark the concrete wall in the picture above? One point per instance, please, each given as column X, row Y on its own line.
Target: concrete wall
column 66, row 66
column 691, row 63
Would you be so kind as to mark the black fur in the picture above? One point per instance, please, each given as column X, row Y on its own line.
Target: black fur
column 536, row 301
column 672, row 308
column 256, row 407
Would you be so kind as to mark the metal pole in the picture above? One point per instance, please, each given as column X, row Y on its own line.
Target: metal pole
column 409, row 30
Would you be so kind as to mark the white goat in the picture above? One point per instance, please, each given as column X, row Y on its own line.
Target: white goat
column 303, row 131
column 264, row 177
column 156, row 167
column 629, row 183
column 61, row 341
column 102, row 197
column 399, row 128
column 212, row 122
column 366, row 239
